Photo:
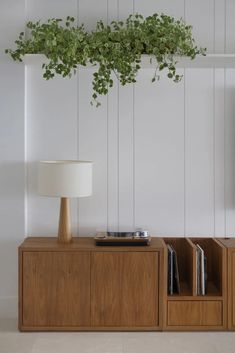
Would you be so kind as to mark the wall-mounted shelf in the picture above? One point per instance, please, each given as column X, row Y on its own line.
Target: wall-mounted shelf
column 208, row 61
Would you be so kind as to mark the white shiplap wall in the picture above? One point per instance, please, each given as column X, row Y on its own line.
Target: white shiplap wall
column 12, row 204
column 163, row 153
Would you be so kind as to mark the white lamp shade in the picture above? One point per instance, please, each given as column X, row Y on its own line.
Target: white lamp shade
column 65, row 178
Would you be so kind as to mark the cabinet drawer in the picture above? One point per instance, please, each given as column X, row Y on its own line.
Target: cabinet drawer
column 195, row 313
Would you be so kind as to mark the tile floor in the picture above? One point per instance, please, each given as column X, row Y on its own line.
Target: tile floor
column 12, row 341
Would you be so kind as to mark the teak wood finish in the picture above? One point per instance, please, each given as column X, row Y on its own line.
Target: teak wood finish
column 64, row 231
column 81, row 286
column 124, row 289
column 229, row 243
column 189, row 311
column 56, row 289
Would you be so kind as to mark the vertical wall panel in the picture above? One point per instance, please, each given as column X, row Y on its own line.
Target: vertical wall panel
column 159, row 155
column 229, row 152
column 11, row 173
column 199, row 149
column 112, row 139
column 45, row 9
column 51, row 134
column 126, row 171
column 93, row 146
column 230, row 26
column 169, row 7
column 219, row 107
column 125, row 144
column 12, row 14
column 92, row 140
column 203, row 29
column 51, row 120
column 219, row 26
column 125, row 8
column 12, row 181
column 91, row 11
column 159, row 143
column 112, row 158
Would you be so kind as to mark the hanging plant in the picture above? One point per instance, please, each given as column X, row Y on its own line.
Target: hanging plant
column 114, row 48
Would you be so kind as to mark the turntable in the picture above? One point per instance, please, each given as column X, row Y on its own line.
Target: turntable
column 138, row 238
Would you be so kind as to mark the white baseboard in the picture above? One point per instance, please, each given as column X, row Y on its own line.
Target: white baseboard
column 8, row 307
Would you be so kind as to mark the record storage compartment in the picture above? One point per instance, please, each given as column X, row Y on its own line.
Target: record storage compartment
column 187, row 310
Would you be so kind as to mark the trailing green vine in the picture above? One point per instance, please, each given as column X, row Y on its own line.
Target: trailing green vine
column 116, row 48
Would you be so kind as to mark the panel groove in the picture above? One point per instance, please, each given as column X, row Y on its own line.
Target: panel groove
column 107, row 136
column 184, row 70
column 225, row 26
column 133, row 108
column 214, row 191
column 26, row 175
column 214, row 28
column 184, row 150
column 78, row 123
column 225, row 172
column 118, row 134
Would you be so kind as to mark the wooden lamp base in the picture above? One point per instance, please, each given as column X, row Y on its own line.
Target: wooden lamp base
column 64, row 233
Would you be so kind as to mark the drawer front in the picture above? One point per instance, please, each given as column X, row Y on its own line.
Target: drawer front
column 195, row 313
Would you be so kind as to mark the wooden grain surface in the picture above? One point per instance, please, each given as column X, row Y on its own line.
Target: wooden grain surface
column 80, row 286
column 195, row 313
column 105, row 289
column 124, row 289
column 186, row 311
column 82, row 244
column 215, row 254
column 232, row 299
column 185, row 258
column 139, row 292
column 64, row 231
column 56, row 289
column 227, row 242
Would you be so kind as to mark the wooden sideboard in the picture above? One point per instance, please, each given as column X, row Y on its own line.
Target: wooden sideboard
column 81, row 286
column 84, row 287
column 189, row 311
column 230, row 246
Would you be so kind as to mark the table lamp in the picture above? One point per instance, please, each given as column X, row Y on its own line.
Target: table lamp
column 65, row 179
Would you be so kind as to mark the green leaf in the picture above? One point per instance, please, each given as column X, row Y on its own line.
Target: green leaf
column 116, row 48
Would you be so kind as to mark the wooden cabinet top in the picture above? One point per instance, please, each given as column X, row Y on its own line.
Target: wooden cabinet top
column 228, row 242
column 82, row 244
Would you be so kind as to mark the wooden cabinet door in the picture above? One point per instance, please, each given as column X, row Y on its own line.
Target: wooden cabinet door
column 139, row 289
column 105, row 288
column 232, row 290
column 124, row 289
column 56, row 289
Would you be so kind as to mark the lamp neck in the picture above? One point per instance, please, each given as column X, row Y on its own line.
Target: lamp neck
column 64, row 233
